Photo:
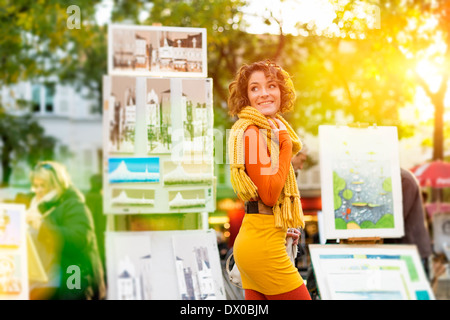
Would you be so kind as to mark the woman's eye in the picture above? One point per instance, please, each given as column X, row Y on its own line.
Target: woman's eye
column 254, row 89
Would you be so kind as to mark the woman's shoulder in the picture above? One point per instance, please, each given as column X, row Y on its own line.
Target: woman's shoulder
column 72, row 196
column 252, row 128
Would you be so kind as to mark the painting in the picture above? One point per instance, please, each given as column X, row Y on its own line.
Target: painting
column 160, row 138
column 360, row 181
column 369, row 272
column 13, row 253
column 198, row 270
column 441, row 234
column 129, row 259
column 122, row 115
column 179, row 173
column 129, row 170
column 10, row 226
column 197, row 117
column 158, row 117
column 187, row 199
column 133, row 197
column 163, row 265
column 156, row 51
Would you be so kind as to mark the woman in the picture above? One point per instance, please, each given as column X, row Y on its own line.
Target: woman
column 261, row 146
column 63, row 231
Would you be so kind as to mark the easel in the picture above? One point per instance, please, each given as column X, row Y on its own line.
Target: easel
column 365, row 241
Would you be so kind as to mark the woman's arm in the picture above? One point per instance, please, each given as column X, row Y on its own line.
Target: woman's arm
column 269, row 182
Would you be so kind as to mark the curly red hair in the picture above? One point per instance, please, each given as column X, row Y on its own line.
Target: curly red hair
column 238, row 98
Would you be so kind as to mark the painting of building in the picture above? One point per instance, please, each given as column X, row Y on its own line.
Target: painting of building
column 198, row 270
column 129, row 266
column 157, row 51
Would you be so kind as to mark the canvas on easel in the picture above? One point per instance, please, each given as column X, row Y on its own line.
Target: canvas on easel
column 360, row 182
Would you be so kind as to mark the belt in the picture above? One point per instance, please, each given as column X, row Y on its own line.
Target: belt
column 257, row 207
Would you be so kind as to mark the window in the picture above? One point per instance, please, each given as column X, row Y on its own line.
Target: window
column 36, row 98
column 49, row 96
column 45, row 91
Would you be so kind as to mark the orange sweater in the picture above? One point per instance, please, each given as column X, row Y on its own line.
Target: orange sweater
column 258, row 167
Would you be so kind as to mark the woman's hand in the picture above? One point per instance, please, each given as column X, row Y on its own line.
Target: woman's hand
column 34, row 219
column 295, row 234
column 281, row 125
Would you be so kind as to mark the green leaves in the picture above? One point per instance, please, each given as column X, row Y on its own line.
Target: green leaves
column 22, row 139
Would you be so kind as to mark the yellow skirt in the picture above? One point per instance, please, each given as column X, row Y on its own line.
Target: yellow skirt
column 260, row 254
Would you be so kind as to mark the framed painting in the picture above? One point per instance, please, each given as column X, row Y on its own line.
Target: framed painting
column 360, row 182
column 13, row 253
column 366, row 272
column 164, row 265
column 157, row 51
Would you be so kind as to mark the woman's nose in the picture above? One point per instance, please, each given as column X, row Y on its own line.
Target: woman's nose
column 264, row 92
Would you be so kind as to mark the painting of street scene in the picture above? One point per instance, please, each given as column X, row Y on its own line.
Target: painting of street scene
column 157, row 51
column 197, row 117
column 158, row 118
column 122, row 115
column 197, row 267
column 128, row 266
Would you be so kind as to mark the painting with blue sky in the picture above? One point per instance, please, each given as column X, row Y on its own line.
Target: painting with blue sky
column 122, row 170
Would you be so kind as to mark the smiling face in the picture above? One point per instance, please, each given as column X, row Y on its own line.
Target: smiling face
column 40, row 187
column 264, row 94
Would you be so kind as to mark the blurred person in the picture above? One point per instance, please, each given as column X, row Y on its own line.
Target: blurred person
column 221, row 244
column 261, row 145
column 299, row 160
column 63, row 231
column 94, row 201
column 414, row 219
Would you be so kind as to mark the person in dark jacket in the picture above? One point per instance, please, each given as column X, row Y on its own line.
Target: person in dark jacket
column 63, row 231
column 416, row 232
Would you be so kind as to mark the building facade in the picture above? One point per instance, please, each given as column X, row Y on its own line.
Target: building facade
column 70, row 116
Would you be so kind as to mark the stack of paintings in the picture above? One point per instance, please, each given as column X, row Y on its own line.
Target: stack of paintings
column 158, row 122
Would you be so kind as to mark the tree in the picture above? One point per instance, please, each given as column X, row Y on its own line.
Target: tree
column 40, row 40
column 38, row 36
column 22, row 138
column 368, row 72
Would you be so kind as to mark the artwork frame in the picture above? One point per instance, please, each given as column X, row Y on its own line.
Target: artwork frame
column 13, row 253
column 369, row 272
column 157, row 51
column 360, row 182
column 154, row 280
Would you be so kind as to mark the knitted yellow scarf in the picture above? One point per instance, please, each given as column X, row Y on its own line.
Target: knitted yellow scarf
column 287, row 210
